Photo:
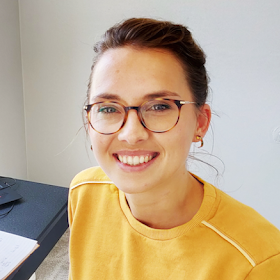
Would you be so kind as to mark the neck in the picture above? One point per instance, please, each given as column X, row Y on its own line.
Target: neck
column 168, row 207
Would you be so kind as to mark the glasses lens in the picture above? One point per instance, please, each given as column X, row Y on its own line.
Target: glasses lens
column 106, row 117
column 160, row 115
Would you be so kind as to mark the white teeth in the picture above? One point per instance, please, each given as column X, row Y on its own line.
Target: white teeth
column 142, row 159
column 124, row 159
column 134, row 160
column 146, row 158
column 129, row 160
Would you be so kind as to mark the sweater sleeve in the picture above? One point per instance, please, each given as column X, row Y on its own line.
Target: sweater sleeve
column 269, row 269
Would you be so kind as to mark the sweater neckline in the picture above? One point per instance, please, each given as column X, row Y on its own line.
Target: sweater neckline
column 204, row 213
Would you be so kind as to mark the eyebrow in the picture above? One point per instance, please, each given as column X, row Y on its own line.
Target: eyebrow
column 159, row 94
column 152, row 95
column 109, row 96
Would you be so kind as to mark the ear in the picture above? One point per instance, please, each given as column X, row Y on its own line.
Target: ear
column 203, row 121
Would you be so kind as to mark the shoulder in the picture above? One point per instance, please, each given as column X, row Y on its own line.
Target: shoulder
column 89, row 184
column 245, row 229
column 93, row 175
column 90, row 192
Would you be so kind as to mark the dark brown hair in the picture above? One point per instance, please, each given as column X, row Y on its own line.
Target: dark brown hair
column 151, row 33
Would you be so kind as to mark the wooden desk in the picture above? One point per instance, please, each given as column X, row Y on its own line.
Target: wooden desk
column 41, row 215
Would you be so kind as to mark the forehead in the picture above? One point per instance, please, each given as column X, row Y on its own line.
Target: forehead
column 132, row 73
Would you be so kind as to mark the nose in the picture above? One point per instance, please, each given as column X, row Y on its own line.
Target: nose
column 133, row 131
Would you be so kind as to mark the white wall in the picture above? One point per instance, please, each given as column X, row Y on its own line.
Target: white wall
column 12, row 135
column 241, row 39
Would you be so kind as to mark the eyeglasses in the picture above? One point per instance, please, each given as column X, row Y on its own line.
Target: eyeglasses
column 158, row 115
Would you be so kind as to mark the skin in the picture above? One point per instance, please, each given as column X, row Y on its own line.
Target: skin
column 160, row 193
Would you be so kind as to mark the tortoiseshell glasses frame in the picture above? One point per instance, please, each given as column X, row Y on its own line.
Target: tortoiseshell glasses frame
column 157, row 115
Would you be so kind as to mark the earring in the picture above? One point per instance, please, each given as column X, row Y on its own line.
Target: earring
column 91, row 147
column 199, row 138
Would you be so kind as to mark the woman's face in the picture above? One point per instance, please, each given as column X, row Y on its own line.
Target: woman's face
column 132, row 76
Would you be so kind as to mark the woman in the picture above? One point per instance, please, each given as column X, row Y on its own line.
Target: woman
column 141, row 214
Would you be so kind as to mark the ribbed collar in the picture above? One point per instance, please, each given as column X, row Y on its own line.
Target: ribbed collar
column 203, row 213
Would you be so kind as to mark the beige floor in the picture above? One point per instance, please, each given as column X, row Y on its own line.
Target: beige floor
column 55, row 266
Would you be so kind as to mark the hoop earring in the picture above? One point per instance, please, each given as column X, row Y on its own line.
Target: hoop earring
column 199, row 138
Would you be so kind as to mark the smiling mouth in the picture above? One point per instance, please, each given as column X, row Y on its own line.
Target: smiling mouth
column 135, row 160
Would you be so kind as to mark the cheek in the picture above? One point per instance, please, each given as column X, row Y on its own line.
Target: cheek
column 181, row 140
column 175, row 144
column 100, row 144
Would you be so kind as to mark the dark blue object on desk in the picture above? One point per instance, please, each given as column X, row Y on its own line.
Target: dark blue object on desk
column 41, row 215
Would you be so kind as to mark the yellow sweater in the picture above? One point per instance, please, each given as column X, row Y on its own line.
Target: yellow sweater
column 225, row 240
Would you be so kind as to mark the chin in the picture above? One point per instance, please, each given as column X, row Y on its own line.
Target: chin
column 130, row 185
